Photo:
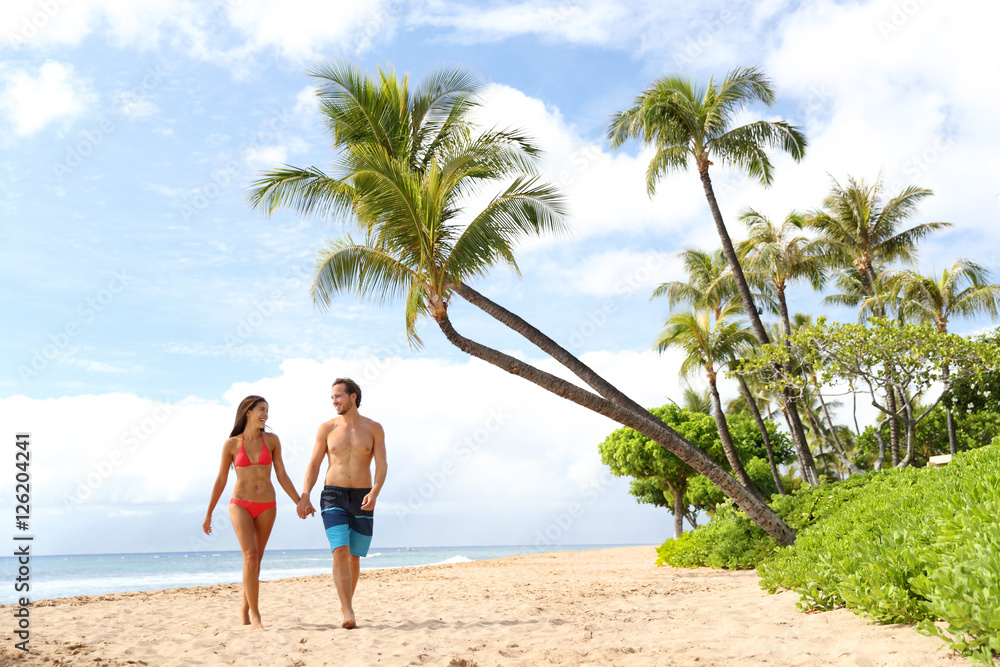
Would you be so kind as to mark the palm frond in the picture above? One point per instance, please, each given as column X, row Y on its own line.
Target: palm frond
column 362, row 269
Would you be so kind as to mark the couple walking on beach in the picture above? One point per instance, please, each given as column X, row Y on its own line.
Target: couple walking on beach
column 351, row 443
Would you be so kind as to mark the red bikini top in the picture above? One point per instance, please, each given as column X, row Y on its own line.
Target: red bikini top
column 242, row 460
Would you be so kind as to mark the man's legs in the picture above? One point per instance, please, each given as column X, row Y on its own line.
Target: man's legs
column 355, row 573
column 346, row 569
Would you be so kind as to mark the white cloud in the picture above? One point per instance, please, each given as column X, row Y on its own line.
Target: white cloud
column 133, row 105
column 298, row 30
column 905, row 98
column 303, row 29
column 131, row 23
column 614, row 272
column 584, row 22
column 605, row 191
column 32, row 100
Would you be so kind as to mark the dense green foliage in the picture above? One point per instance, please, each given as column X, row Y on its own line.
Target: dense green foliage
column 629, row 453
column 912, row 545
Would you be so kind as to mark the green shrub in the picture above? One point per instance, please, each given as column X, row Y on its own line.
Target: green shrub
column 916, row 545
column 731, row 541
column 913, row 546
column 732, row 532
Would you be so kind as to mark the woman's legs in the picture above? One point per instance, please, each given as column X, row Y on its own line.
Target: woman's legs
column 252, row 535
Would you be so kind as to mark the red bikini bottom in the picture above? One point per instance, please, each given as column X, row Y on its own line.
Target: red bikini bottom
column 255, row 509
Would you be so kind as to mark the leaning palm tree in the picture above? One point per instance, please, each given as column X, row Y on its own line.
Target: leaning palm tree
column 684, row 120
column 961, row 291
column 407, row 163
column 710, row 348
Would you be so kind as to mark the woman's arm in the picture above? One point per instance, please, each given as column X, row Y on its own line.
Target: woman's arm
column 220, row 485
column 281, row 473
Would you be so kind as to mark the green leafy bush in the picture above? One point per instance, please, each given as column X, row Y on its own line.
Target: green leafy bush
column 731, row 541
column 916, row 545
column 913, row 546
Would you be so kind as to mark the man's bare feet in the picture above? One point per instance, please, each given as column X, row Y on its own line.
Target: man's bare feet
column 245, row 613
column 347, row 620
column 257, row 625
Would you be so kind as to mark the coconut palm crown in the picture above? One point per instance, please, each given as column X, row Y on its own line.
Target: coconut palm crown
column 407, row 166
column 860, row 229
column 685, row 120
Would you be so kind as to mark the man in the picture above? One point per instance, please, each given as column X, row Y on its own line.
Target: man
column 351, row 442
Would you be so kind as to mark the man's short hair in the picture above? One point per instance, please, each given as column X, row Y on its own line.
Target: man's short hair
column 352, row 388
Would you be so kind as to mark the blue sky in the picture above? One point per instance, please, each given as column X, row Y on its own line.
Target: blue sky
column 142, row 293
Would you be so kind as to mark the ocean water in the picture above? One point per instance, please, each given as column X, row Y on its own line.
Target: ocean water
column 68, row 576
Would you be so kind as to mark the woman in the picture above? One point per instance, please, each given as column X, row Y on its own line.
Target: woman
column 252, row 453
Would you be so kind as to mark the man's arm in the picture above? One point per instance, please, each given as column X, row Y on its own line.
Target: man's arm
column 381, row 467
column 312, row 473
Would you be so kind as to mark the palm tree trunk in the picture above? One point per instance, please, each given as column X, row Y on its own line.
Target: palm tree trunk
column 795, row 424
column 651, row 427
column 762, row 427
column 727, row 440
column 802, row 451
column 552, row 348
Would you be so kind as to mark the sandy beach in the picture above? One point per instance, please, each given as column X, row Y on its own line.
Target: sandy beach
column 601, row 607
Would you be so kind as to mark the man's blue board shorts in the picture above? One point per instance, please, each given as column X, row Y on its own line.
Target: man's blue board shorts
column 345, row 522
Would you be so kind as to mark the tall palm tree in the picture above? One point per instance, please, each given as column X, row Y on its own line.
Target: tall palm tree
column 961, row 291
column 781, row 255
column 684, row 121
column 711, row 286
column 710, row 348
column 407, row 162
column 697, row 401
column 860, row 230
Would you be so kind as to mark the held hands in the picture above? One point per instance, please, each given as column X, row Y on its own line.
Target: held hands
column 305, row 508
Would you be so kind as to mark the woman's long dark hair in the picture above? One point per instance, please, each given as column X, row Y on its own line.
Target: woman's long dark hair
column 246, row 405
